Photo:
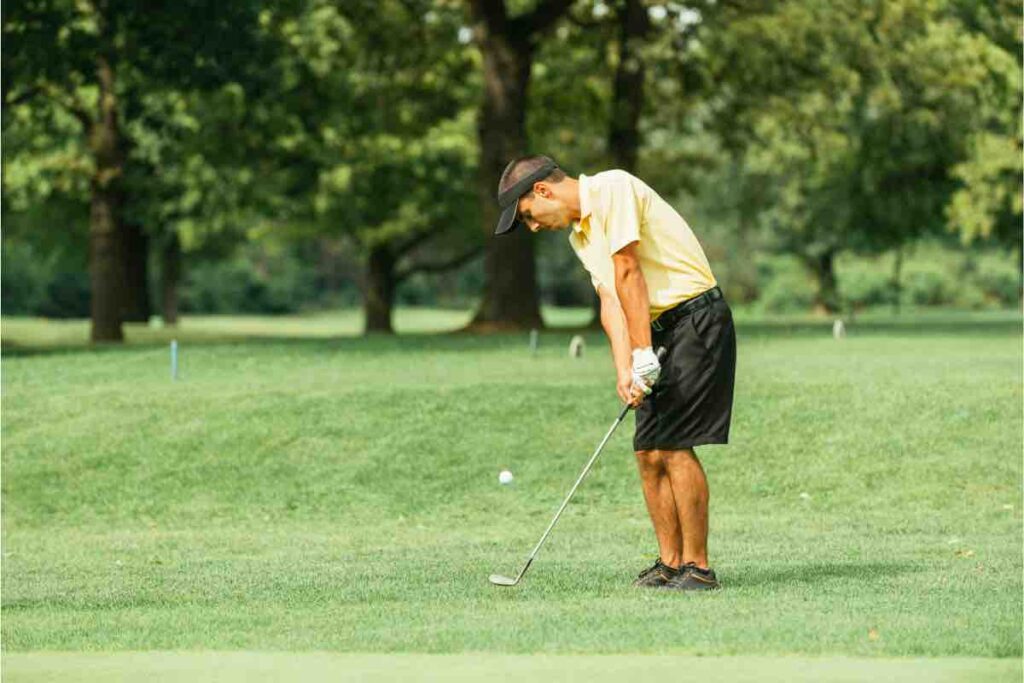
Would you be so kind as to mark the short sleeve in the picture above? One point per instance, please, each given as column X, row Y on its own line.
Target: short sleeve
column 620, row 209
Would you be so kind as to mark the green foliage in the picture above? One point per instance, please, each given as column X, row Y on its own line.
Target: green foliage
column 988, row 203
column 999, row 279
column 927, row 284
column 192, row 169
column 786, row 286
column 256, row 279
column 385, row 153
column 790, row 126
column 22, row 280
column 41, row 282
column 866, row 282
column 855, row 116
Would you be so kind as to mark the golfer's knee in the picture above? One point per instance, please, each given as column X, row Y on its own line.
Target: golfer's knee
column 650, row 460
column 684, row 456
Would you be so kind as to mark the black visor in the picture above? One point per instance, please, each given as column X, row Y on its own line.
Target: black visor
column 509, row 199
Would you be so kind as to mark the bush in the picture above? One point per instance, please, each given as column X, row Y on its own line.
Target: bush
column 787, row 286
column 22, row 280
column 68, row 295
column 34, row 284
column 971, row 296
column 252, row 281
column 926, row 284
column 999, row 281
column 864, row 283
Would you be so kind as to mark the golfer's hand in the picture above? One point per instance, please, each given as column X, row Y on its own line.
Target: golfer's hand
column 629, row 393
column 646, row 369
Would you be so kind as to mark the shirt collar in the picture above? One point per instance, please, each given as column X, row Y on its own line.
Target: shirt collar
column 585, row 210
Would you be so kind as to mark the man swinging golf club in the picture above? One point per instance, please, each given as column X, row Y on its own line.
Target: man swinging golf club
column 656, row 290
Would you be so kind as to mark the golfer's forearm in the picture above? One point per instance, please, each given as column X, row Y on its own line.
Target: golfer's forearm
column 632, row 291
column 614, row 323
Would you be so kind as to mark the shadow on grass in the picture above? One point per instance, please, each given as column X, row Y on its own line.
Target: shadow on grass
column 820, row 572
column 1004, row 325
column 371, row 343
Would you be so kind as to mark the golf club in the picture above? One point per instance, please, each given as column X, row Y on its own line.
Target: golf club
column 498, row 579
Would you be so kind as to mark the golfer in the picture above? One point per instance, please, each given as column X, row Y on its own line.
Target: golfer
column 656, row 290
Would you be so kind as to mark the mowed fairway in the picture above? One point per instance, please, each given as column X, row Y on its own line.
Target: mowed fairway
column 342, row 495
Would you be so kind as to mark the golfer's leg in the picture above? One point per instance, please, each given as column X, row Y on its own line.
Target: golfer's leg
column 690, row 488
column 661, row 505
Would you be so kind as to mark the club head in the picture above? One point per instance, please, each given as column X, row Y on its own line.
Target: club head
column 499, row 580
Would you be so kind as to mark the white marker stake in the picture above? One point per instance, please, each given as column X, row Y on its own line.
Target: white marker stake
column 534, row 341
column 838, row 329
column 576, row 347
column 174, row 360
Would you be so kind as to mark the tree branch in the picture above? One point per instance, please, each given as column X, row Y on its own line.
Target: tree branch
column 491, row 12
column 22, row 97
column 441, row 266
column 543, row 16
column 415, row 238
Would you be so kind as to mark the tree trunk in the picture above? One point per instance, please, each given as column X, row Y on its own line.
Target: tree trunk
column 826, row 298
column 897, row 280
column 379, row 290
column 170, row 276
column 511, row 298
column 627, row 101
column 628, row 90
column 136, row 263
column 106, row 253
column 1020, row 273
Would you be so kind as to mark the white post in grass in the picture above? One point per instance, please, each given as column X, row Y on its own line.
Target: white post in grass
column 534, row 341
column 174, row 360
column 576, row 347
column 838, row 329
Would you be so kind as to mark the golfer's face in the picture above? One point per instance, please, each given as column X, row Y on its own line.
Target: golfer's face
column 540, row 213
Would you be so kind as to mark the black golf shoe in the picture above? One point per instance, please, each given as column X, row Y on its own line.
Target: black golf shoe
column 655, row 576
column 690, row 577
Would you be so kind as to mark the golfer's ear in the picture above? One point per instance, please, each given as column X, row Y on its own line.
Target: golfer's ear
column 541, row 188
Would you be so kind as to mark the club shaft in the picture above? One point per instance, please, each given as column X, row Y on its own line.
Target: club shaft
column 590, row 463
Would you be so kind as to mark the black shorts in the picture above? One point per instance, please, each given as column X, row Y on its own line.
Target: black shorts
column 691, row 403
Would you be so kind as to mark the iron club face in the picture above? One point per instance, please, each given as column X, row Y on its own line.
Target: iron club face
column 499, row 580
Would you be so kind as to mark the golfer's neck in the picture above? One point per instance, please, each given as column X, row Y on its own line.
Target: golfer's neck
column 572, row 197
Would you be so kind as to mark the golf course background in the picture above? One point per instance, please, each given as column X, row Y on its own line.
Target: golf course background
column 317, row 492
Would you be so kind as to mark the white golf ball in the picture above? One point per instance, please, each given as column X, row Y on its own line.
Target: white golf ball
column 505, row 477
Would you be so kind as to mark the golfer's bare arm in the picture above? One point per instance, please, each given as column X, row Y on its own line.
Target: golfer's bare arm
column 632, row 291
column 614, row 323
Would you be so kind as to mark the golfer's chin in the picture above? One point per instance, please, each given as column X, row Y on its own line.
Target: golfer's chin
column 554, row 226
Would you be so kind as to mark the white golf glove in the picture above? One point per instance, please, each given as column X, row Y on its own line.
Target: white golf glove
column 646, row 369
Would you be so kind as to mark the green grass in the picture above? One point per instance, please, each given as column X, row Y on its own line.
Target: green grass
column 341, row 494
column 158, row 667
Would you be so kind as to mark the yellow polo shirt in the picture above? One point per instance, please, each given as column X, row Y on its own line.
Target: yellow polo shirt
column 617, row 208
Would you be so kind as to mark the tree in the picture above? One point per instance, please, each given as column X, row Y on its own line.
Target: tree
column 987, row 202
column 88, row 57
column 373, row 135
column 854, row 116
column 507, row 45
